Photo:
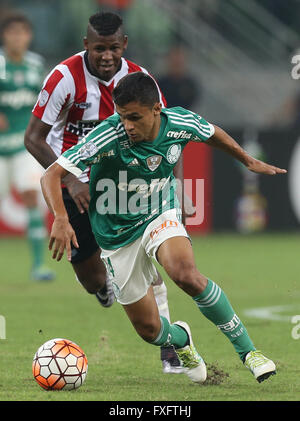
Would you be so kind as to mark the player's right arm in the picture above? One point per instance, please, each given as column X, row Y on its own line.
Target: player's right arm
column 72, row 162
column 35, row 142
column 52, row 98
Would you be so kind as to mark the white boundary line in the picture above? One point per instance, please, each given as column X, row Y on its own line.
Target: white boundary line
column 273, row 312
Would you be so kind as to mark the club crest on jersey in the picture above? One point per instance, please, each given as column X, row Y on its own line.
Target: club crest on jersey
column 153, row 162
column 88, row 150
column 173, row 153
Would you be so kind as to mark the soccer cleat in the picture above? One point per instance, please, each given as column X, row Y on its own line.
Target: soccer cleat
column 192, row 362
column 106, row 296
column 170, row 361
column 42, row 273
column 260, row 366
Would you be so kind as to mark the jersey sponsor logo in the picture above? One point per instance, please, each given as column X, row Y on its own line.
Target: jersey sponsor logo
column 142, row 187
column 167, row 224
column 153, row 162
column 108, row 153
column 183, row 134
column 88, row 150
column 83, row 105
column 44, row 96
column 136, row 197
column 173, row 153
column 102, row 155
column 82, row 127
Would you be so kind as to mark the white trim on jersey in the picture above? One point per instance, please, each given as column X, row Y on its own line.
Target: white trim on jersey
column 69, row 166
column 206, row 130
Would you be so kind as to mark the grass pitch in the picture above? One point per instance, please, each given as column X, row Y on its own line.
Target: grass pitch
column 260, row 275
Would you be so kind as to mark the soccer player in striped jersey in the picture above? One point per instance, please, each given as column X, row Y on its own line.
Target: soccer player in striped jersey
column 134, row 216
column 76, row 97
column 23, row 73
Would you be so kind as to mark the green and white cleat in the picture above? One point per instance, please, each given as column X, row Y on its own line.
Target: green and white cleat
column 192, row 362
column 260, row 366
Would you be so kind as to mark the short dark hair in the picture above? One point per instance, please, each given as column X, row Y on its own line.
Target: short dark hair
column 15, row 18
column 136, row 87
column 106, row 23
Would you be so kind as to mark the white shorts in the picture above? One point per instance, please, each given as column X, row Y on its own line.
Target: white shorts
column 131, row 267
column 21, row 171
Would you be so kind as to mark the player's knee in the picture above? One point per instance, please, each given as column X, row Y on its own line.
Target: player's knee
column 184, row 274
column 92, row 282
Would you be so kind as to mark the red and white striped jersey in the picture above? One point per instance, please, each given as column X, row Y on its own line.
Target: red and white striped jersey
column 73, row 101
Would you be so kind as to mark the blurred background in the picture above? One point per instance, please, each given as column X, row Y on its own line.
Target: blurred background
column 234, row 62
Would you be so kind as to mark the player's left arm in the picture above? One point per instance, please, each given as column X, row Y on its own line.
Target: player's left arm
column 222, row 140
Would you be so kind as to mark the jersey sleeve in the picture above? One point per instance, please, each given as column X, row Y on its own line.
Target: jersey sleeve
column 204, row 130
column 57, row 91
column 89, row 150
column 184, row 120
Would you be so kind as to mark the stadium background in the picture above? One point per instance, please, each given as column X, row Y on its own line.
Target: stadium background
column 242, row 68
column 240, row 54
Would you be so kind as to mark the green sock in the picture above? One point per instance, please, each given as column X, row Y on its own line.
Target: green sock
column 171, row 334
column 36, row 234
column 215, row 306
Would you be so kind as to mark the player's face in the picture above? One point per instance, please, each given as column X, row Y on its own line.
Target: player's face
column 17, row 38
column 141, row 122
column 105, row 53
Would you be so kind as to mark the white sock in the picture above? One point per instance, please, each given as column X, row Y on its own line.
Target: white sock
column 160, row 292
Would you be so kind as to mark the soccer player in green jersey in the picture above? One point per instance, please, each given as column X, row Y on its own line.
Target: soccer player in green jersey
column 134, row 216
column 76, row 97
column 22, row 77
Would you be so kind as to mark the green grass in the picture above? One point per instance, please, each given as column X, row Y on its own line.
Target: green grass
column 254, row 271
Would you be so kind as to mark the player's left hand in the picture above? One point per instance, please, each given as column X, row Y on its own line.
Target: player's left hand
column 261, row 167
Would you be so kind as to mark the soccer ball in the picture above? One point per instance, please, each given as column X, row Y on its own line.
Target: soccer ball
column 59, row 364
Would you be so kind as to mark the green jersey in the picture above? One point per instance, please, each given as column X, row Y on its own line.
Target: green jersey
column 132, row 183
column 20, row 84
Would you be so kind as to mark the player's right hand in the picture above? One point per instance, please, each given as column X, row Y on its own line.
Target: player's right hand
column 61, row 237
